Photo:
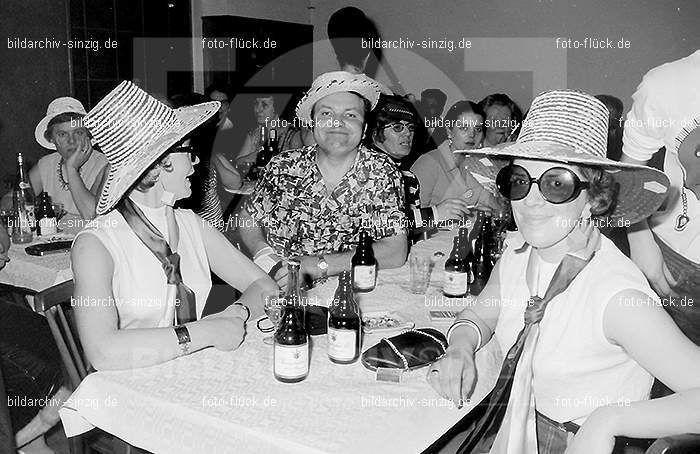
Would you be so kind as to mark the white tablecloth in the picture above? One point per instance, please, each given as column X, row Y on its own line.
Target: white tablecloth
column 216, row 402
column 41, row 272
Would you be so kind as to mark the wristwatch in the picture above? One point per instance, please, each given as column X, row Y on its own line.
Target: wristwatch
column 323, row 266
column 183, row 339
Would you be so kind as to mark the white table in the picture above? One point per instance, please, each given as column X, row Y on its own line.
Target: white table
column 41, row 272
column 216, row 402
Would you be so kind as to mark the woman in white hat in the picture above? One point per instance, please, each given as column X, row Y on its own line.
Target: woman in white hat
column 142, row 272
column 584, row 332
column 73, row 175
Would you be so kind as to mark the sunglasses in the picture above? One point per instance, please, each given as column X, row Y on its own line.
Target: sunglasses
column 189, row 149
column 398, row 128
column 557, row 185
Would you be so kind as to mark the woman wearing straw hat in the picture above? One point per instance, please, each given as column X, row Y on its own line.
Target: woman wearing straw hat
column 584, row 332
column 73, row 175
column 142, row 272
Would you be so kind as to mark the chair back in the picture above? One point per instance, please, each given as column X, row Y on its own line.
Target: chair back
column 54, row 302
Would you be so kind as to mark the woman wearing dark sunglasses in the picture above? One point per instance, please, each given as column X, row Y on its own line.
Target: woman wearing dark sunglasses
column 584, row 333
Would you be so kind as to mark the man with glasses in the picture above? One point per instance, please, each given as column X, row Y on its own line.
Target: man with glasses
column 393, row 127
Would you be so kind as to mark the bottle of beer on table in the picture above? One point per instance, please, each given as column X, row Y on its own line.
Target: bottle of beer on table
column 364, row 265
column 482, row 258
column 457, row 267
column 23, row 200
column 291, row 342
column 273, row 145
column 344, row 324
column 46, row 223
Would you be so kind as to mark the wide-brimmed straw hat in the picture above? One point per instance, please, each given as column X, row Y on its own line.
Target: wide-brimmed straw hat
column 335, row 82
column 572, row 127
column 58, row 106
column 133, row 130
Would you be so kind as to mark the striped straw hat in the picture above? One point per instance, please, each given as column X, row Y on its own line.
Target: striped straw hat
column 335, row 82
column 572, row 127
column 133, row 130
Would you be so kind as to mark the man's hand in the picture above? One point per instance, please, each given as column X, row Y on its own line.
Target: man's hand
column 80, row 155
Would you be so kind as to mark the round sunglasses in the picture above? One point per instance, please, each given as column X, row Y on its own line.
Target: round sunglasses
column 557, row 184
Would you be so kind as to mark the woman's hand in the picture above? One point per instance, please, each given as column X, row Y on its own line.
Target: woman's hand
column 596, row 435
column 450, row 209
column 454, row 375
column 226, row 328
column 81, row 155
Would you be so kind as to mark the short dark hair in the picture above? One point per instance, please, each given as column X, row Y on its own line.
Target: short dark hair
column 150, row 176
column 602, row 190
column 216, row 87
column 62, row 118
column 436, row 93
column 459, row 108
column 501, row 99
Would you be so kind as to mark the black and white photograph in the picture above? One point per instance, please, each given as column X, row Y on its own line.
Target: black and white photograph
column 340, row 227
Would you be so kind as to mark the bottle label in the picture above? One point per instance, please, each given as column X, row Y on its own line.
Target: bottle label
column 24, row 185
column 292, row 361
column 455, row 283
column 48, row 226
column 342, row 344
column 365, row 276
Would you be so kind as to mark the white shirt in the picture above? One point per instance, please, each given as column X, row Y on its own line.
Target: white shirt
column 666, row 102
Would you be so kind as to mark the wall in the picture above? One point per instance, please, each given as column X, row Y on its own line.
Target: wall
column 289, row 11
column 657, row 32
column 29, row 78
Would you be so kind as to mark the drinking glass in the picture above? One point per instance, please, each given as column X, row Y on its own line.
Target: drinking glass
column 420, row 269
column 273, row 310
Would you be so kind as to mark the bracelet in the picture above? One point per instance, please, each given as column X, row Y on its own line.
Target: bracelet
column 247, row 311
column 183, row 338
column 470, row 324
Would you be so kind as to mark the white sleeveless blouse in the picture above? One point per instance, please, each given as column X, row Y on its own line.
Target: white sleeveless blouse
column 575, row 368
column 139, row 285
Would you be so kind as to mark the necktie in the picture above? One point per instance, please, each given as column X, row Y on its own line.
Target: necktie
column 153, row 239
column 498, row 421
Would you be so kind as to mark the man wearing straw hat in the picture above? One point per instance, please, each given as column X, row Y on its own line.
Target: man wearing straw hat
column 313, row 202
column 666, row 113
column 584, row 332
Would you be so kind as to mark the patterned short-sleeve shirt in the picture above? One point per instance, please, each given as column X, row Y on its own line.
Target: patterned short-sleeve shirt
column 300, row 217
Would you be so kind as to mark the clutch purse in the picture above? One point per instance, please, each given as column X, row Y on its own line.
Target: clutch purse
column 412, row 349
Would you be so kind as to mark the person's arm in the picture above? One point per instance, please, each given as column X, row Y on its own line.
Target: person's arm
column 237, row 270
column 35, row 180
column 85, row 200
column 247, row 151
column 228, row 174
column 110, row 348
column 640, row 325
column 4, row 246
column 456, row 371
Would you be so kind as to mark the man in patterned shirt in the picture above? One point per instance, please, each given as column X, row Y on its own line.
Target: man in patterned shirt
column 312, row 202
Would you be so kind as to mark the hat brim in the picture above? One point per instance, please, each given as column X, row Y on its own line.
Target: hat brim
column 642, row 189
column 121, row 179
column 39, row 133
column 303, row 110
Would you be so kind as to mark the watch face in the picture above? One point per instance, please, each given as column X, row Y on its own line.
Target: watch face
column 323, row 265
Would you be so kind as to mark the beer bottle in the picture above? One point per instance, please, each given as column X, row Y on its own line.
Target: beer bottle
column 482, row 257
column 457, row 269
column 46, row 223
column 291, row 342
column 22, row 184
column 273, row 145
column 344, row 324
column 364, row 265
column 21, row 228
